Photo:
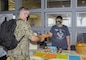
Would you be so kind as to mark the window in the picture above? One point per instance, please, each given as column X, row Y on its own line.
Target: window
column 81, row 37
column 6, row 5
column 35, row 19
column 81, row 19
column 58, row 3
column 81, row 3
column 32, row 4
column 66, row 18
column 7, row 16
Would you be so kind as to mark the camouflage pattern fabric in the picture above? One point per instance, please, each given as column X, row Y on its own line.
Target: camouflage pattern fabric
column 21, row 52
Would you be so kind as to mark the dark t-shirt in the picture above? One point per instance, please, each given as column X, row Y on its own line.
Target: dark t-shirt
column 59, row 36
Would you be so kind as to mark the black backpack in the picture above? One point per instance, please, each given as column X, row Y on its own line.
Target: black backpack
column 7, row 37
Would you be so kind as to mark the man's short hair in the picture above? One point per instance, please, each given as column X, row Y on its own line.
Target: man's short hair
column 60, row 17
column 23, row 8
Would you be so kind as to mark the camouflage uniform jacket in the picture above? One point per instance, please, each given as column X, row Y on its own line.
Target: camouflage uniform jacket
column 21, row 52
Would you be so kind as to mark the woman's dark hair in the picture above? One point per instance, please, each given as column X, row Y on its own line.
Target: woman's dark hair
column 60, row 17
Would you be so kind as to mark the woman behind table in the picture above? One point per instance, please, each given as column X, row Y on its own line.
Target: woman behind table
column 60, row 36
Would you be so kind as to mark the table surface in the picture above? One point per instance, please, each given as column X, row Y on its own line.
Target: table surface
column 73, row 55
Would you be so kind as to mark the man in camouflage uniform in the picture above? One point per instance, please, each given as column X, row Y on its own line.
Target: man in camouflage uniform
column 21, row 52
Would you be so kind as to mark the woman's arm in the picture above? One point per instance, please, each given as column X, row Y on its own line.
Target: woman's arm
column 68, row 42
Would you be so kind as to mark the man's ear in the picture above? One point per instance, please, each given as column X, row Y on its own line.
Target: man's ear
column 55, row 19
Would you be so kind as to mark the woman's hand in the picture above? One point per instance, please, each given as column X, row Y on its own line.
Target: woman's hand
column 68, row 48
column 45, row 36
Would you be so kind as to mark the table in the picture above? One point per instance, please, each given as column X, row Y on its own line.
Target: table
column 72, row 55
